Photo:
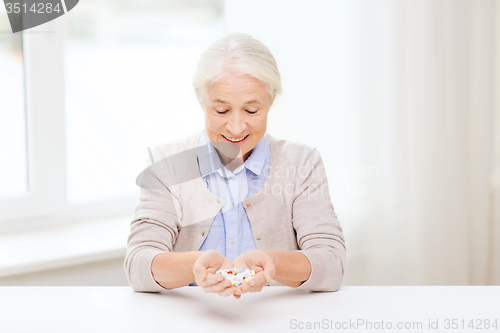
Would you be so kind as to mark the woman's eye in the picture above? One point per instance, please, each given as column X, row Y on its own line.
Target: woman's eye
column 221, row 112
column 251, row 112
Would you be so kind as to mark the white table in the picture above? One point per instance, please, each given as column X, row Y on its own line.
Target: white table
column 274, row 309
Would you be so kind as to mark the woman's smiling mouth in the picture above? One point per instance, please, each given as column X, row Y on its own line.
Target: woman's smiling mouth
column 235, row 140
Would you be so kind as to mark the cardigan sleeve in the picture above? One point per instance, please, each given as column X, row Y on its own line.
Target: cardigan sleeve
column 319, row 233
column 153, row 229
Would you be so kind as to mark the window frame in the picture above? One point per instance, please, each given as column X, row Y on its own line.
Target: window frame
column 44, row 111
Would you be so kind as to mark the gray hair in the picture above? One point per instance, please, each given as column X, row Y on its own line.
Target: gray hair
column 240, row 54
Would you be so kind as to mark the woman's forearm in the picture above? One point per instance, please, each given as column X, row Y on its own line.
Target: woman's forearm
column 292, row 268
column 174, row 269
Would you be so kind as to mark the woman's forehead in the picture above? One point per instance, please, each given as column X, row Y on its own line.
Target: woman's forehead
column 247, row 90
column 247, row 102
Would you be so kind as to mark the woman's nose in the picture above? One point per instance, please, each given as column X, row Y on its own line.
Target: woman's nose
column 236, row 124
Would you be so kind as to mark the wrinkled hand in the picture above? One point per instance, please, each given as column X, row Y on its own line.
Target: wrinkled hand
column 262, row 264
column 204, row 270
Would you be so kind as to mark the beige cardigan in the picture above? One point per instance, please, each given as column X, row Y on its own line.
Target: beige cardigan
column 292, row 212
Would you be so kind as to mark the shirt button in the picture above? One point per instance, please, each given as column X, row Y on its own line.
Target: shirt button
column 232, row 207
column 231, row 241
column 258, row 237
column 232, row 177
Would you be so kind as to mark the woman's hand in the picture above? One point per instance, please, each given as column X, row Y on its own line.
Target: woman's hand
column 204, row 270
column 262, row 264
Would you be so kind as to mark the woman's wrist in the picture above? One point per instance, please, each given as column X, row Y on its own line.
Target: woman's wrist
column 174, row 269
column 292, row 268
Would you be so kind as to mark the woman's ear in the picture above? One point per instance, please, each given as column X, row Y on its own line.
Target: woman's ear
column 203, row 101
column 202, row 105
column 272, row 102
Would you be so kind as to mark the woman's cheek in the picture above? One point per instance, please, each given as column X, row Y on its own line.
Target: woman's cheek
column 216, row 123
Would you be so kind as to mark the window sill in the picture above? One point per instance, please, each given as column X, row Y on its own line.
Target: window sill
column 64, row 246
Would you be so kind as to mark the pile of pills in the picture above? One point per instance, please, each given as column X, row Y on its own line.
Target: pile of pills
column 237, row 276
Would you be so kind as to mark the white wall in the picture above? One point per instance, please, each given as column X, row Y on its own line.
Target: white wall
column 398, row 96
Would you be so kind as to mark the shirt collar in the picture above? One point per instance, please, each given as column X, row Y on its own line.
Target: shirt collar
column 208, row 159
column 255, row 162
column 209, row 162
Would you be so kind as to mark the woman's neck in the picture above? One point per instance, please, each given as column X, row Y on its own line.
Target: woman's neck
column 233, row 164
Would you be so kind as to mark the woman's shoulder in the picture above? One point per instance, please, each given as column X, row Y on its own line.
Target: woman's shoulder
column 291, row 152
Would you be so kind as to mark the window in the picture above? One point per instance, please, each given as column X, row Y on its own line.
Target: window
column 103, row 82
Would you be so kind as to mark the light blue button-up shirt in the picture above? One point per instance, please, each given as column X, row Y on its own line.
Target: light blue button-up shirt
column 231, row 233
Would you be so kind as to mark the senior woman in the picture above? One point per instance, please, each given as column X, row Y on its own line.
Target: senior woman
column 250, row 200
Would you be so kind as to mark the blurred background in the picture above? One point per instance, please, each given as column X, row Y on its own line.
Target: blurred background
column 401, row 98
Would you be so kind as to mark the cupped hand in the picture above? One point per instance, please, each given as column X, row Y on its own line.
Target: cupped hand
column 204, row 270
column 262, row 264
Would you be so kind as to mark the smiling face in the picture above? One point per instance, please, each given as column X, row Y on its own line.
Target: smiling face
column 236, row 109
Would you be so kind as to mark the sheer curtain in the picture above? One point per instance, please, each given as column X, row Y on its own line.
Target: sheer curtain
column 401, row 99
